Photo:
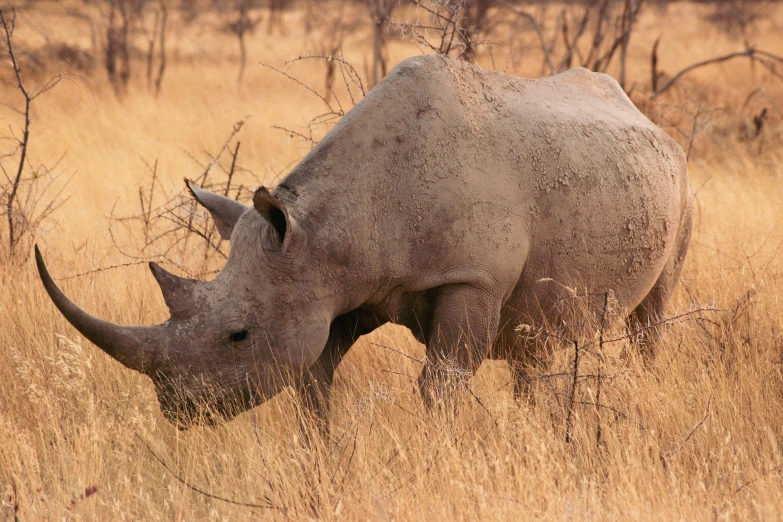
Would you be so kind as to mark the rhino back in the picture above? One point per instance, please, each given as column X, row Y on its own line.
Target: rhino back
column 448, row 171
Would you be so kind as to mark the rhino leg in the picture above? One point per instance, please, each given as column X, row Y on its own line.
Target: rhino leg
column 653, row 306
column 463, row 327
column 314, row 387
column 520, row 353
column 521, row 379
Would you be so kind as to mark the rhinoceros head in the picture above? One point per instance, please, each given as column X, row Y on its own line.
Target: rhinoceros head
column 231, row 342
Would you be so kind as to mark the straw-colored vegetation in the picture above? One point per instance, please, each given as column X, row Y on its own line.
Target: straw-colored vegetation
column 697, row 434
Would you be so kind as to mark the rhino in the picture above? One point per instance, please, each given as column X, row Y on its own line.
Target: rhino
column 454, row 200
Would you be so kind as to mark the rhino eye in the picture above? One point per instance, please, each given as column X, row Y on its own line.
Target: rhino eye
column 239, row 336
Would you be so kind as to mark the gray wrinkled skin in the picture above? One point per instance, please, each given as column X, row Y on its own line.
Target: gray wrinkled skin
column 439, row 202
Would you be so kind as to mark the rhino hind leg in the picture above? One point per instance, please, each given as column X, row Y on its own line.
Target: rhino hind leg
column 521, row 370
column 463, row 326
column 652, row 309
column 521, row 378
column 649, row 312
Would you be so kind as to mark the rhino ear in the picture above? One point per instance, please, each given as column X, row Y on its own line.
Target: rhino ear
column 273, row 210
column 225, row 211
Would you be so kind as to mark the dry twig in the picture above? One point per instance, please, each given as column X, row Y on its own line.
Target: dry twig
column 199, row 490
column 334, row 108
column 171, row 227
column 696, row 427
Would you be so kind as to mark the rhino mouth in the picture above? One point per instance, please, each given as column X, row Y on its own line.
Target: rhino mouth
column 212, row 410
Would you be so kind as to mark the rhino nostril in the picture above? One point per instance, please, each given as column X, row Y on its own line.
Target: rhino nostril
column 239, row 336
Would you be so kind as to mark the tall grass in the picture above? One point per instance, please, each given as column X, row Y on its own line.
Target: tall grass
column 695, row 434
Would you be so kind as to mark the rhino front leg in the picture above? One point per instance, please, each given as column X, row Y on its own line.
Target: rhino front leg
column 314, row 387
column 463, row 327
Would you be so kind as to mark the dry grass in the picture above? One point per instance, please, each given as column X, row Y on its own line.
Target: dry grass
column 696, row 435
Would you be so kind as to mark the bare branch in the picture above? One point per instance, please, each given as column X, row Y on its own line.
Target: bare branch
column 572, row 394
column 198, row 490
column 750, row 52
column 667, row 320
column 103, row 268
column 654, row 65
column 300, row 83
column 291, row 133
column 696, row 427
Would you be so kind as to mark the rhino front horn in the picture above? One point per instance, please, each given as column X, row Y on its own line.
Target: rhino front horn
column 130, row 345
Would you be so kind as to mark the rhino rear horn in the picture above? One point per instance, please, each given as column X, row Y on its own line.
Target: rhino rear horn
column 178, row 292
column 225, row 211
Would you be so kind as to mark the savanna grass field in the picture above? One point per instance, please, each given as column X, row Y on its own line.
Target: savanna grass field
column 694, row 434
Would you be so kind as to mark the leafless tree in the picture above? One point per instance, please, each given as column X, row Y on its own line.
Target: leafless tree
column 327, row 29
column 738, row 18
column 380, row 15
column 276, row 8
column 456, row 27
column 117, row 54
column 188, row 10
column 124, row 21
column 630, row 12
column 476, row 25
column 87, row 16
column 243, row 24
column 23, row 191
column 156, row 41
column 592, row 34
